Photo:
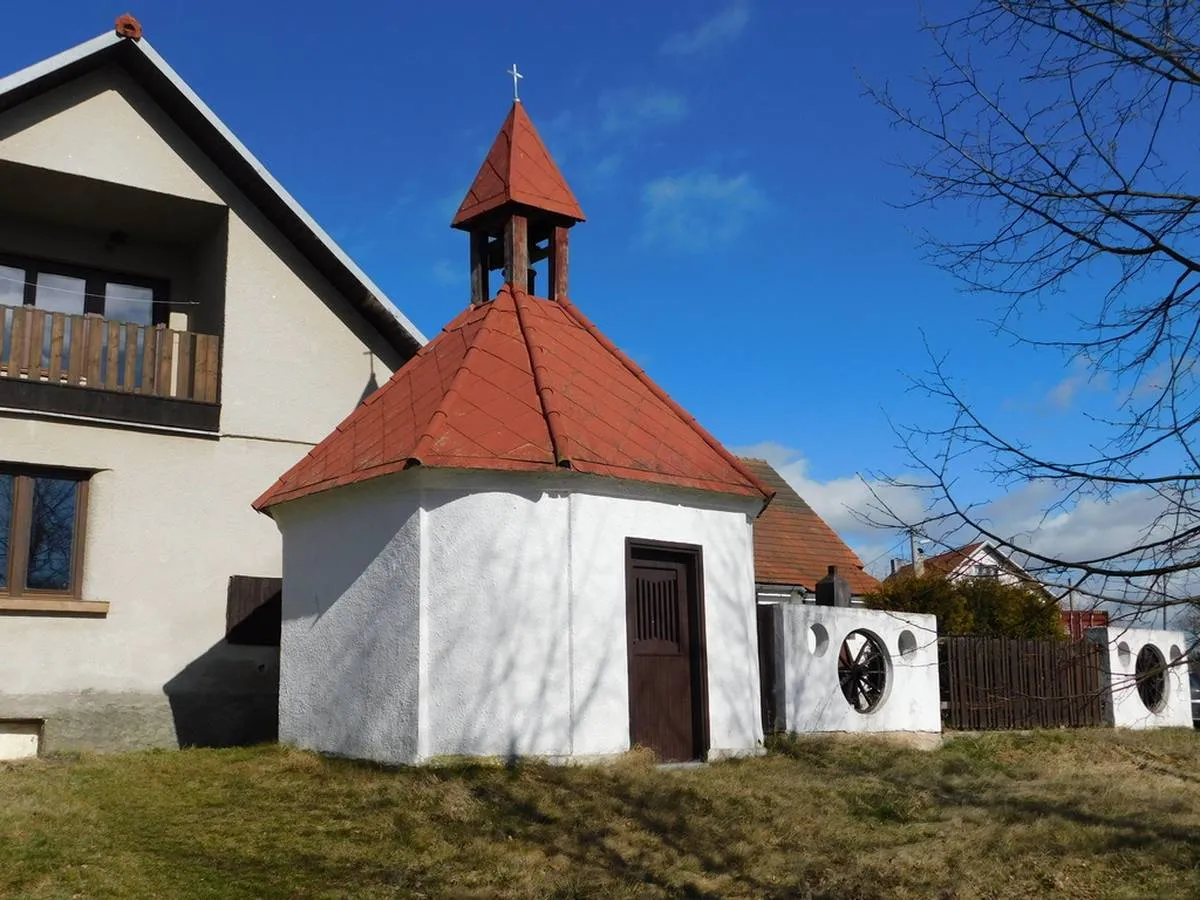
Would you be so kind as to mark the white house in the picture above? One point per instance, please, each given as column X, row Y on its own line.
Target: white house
column 174, row 331
column 981, row 559
column 520, row 545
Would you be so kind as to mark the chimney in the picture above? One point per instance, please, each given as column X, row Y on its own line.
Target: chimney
column 833, row 589
column 895, row 565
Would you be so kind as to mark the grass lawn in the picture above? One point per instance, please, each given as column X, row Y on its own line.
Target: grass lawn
column 1078, row 814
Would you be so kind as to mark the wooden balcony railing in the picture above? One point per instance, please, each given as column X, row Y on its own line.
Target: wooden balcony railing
column 93, row 352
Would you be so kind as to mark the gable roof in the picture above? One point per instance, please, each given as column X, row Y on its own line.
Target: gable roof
column 518, row 169
column 949, row 562
column 794, row 546
column 520, row 384
column 238, row 164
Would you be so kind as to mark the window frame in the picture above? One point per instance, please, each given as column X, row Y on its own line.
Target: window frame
column 15, row 593
column 94, row 281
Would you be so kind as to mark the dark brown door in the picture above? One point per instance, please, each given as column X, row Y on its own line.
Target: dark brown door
column 661, row 610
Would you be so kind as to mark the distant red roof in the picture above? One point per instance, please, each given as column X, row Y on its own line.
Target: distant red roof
column 943, row 563
column 518, row 169
column 794, row 546
column 527, row 384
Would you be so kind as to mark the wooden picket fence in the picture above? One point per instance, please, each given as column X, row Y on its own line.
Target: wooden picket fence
column 1002, row 683
column 93, row 352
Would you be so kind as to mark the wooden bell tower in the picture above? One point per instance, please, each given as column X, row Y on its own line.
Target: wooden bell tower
column 518, row 212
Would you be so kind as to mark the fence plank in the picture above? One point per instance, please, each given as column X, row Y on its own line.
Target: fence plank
column 214, row 365
column 16, row 353
column 58, row 324
column 129, row 376
column 166, row 358
column 149, row 360
column 112, row 343
column 35, row 340
column 183, row 366
column 94, row 344
column 75, row 350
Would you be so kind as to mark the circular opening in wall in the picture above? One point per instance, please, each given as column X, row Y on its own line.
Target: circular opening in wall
column 1151, row 675
column 907, row 644
column 863, row 669
column 1123, row 654
column 1176, row 653
column 818, row 639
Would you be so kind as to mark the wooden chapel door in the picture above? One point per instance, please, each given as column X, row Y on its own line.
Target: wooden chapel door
column 664, row 639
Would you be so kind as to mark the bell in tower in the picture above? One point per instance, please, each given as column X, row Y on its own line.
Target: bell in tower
column 518, row 212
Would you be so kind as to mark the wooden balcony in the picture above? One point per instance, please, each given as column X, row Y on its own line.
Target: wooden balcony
column 152, row 366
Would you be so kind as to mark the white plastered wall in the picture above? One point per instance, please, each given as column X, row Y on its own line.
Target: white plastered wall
column 1126, row 707
column 808, row 639
column 169, row 516
column 522, row 611
column 349, row 642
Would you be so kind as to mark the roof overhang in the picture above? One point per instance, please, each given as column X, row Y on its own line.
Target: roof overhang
column 238, row 164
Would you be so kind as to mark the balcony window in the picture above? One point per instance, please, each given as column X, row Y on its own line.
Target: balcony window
column 56, row 287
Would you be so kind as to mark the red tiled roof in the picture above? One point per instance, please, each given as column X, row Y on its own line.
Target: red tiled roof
column 794, row 546
column 518, row 169
column 520, row 383
column 943, row 563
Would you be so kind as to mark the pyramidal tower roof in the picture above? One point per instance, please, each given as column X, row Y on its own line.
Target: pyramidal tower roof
column 518, row 169
column 518, row 382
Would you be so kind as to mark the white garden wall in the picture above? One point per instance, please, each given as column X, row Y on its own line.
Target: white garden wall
column 1127, row 709
column 810, row 698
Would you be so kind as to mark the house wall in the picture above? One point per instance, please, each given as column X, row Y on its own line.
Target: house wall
column 808, row 639
column 169, row 517
column 986, row 556
column 522, row 612
column 1126, row 709
column 349, row 644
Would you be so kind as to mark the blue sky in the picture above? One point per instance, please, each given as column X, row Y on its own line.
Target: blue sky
column 739, row 243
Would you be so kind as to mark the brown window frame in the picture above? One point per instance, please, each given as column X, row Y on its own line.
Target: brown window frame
column 21, row 522
column 94, row 282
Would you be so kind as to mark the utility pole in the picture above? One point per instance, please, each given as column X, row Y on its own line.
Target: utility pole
column 918, row 561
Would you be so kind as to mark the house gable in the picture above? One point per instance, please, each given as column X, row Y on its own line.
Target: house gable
column 103, row 126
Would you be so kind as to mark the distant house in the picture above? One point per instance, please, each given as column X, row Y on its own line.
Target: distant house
column 978, row 560
column 794, row 547
column 983, row 559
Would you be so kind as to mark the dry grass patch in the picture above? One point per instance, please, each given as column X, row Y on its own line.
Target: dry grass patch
column 1084, row 814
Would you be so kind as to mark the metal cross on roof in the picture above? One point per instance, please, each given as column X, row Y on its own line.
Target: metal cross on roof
column 516, row 76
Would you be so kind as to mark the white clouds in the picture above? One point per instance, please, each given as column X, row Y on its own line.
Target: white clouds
column 1088, row 529
column 698, row 210
column 599, row 138
column 725, row 26
column 1083, row 377
column 636, row 110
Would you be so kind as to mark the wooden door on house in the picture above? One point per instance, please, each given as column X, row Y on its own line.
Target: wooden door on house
column 666, row 691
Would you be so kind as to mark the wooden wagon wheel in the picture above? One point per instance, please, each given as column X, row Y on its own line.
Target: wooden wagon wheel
column 862, row 670
column 1150, row 671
